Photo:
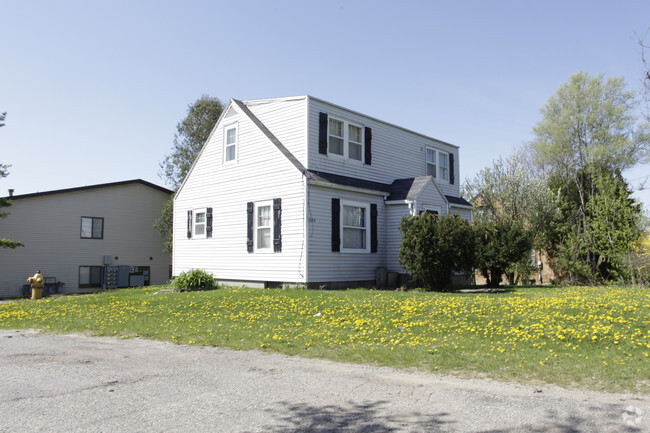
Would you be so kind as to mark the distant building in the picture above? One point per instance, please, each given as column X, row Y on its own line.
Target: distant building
column 85, row 238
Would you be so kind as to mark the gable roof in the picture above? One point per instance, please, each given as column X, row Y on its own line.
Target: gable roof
column 277, row 143
column 458, row 201
column 408, row 189
column 91, row 187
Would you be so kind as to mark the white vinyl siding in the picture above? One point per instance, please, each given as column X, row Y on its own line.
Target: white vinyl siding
column 326, row 265
column 394, row 215
column 262, row 172
column 397, row 153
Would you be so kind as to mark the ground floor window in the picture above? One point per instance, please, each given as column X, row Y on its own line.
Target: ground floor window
column 90, row 276
column 355, row 226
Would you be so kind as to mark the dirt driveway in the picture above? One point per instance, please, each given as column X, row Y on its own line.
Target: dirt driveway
column 73, row 383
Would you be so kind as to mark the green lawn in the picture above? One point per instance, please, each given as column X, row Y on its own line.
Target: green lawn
column 587, row 337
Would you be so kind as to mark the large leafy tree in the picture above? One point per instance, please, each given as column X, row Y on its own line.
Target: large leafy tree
column 588, row 132
column 513, row 209
column 191, row 134
column 5, row 202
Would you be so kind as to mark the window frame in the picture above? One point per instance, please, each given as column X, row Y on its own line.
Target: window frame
column 204, row 223
column 257, row 227
column 91, row 284
column 226, row 145
column 92, row 228
column 347, row 142
column 366, row 228
column 437, row 168
column 432, row 209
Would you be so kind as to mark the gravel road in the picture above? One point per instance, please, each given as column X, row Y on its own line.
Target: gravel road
column 75, row 383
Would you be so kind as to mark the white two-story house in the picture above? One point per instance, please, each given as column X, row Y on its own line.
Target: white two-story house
column 299, row 190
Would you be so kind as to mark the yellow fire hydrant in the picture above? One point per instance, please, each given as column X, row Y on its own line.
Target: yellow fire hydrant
column 37, row 285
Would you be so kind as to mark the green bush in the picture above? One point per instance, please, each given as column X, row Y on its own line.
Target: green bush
column 500, row 246
column 194, row 280
column 433, row 247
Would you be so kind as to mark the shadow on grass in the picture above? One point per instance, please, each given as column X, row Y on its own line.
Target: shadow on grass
column 351, row 417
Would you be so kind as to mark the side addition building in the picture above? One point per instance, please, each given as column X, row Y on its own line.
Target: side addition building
column 85, row 238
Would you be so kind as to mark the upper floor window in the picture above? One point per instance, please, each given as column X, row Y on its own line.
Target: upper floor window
column 92, row 228
column 437, row 164
column 345, row 139
column 230, row 140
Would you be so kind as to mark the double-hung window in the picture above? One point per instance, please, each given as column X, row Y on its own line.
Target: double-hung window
column 437, row 164
column 92, row 228
column 230, row 143
column 200, row 220
column 355, row 226
column 345, row 139
column 263, row 225
column 199, row 223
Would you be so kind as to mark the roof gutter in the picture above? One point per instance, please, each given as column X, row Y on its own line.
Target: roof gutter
column 346, row 188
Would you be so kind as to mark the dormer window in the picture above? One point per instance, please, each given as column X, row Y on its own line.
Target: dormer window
column 437, row 164
column 345, row 139
column 341, row 138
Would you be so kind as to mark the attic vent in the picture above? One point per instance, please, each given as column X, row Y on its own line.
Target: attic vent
column 231, row 112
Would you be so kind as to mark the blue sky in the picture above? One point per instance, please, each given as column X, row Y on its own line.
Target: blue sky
column 93, row 90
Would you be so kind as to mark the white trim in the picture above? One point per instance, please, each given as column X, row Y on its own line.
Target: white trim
column 461, row 206
column 204, row 223
column 226, row 129
column 366, row 226
column 431, row 207
column 346, row 139
column 256, row 227
column 436, row 163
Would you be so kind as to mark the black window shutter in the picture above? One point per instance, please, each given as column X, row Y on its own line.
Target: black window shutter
column 451, row 169
column 322, row 133
column 189, row 224
column 250, row 209
column 373, row 228
column 368, row 146
column 336, row 224
column 277, row 225
column 208, row 222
